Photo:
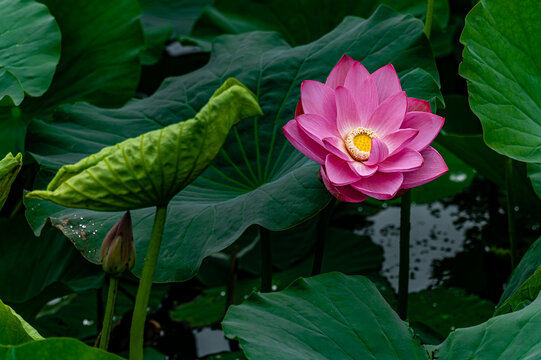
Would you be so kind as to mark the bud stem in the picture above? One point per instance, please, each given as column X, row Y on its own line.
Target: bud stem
column 109, row 313
column 145, row 285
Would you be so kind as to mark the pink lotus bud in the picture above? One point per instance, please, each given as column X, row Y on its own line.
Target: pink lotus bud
column 118, row 249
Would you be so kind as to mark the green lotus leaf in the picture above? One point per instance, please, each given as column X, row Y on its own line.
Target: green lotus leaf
column 13, row 329
column 9, row 168
column 502, row 64
column 99, row 60
column 55, row 349
column 153, row 167
column 284, row 16
column 29, row 49
column 329, row 316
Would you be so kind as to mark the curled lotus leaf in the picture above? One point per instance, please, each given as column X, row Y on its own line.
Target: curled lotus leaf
column 153, row 167
column 9, row 168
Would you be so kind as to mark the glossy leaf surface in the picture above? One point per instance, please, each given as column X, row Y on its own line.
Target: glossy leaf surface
column 258, row 178
column 502, row 63
column 29, row 50
column 323, row 317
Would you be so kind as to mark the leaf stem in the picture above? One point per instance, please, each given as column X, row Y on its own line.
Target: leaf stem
column 232, row 278
column 109, row 313
column 403, row 272
column 321, row 236
column 266, row 260
column 428, row 17
column 510, row 201
column 145, row 285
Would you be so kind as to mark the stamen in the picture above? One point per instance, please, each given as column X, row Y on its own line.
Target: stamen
column 359, row 142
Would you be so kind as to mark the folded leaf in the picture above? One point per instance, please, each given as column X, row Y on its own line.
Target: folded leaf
column 153, row 167
column 9, row 168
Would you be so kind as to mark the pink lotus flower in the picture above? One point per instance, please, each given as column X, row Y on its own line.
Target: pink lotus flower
column 369, row 137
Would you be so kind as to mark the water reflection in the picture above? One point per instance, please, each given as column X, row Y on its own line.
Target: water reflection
column 437, row 231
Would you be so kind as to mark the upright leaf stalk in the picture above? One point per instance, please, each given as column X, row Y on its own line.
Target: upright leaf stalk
column 403, row 272
column 428, row 18
column 266, row 260
column 321, row 236
column 511, row 211
column 145, row 285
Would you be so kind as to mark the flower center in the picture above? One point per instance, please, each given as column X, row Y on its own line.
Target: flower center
column 359, row 142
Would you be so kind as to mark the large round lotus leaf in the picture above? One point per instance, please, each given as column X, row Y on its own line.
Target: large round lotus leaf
column 258, row 178
column 327, row 317
column 54, row 349
column 99, row 62
column 298, row 21
column 510, row 336
column 13, row 329
column 29, row 49
column 101, row 41
column 502, row 63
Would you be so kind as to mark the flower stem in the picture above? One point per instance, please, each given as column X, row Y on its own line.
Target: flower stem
column 109, row 313
column 403, row 273
column 266, row 260
column 145, row 284
column 510, row 211
column 233, row 278
column 322, row 225
column 428, row 17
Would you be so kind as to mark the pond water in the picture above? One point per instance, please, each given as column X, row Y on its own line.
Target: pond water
column 434, row 236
